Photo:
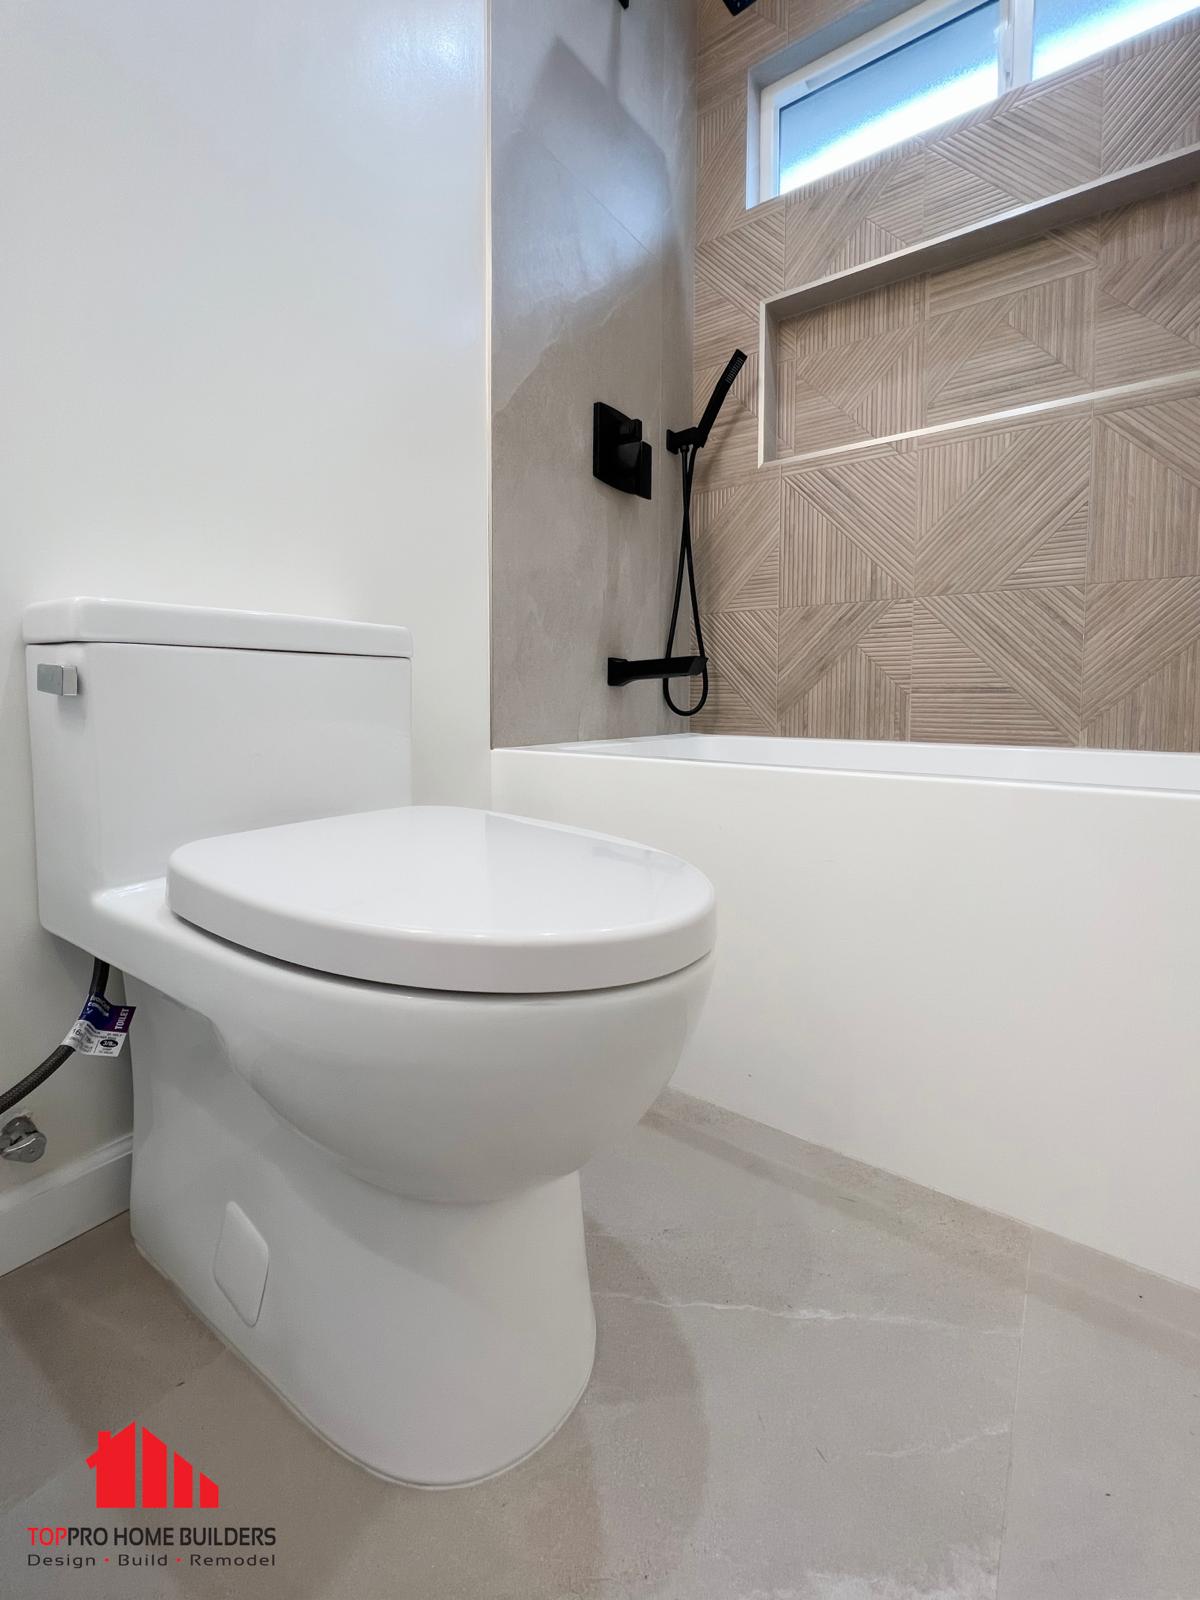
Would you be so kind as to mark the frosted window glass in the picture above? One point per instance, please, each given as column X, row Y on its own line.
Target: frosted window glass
column 934, row 78
column 1065, row 31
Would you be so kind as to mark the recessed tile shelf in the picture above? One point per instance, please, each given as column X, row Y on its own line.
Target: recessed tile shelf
column 991, row 237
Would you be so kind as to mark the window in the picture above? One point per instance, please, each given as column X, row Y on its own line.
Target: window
column 925, row 67
column 1066, row 31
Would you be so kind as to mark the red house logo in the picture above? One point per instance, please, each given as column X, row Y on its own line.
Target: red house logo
column 115, row 1466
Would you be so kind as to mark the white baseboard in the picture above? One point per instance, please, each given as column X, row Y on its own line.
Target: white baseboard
column 45, row 1212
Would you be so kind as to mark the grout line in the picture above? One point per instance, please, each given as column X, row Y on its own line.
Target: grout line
column 813, row 1314
column 1089, row 553
column 777, row 719
column 1012, row 1427
column 1119, row 583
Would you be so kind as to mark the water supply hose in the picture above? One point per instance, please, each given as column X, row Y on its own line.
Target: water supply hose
column 687, row 455
column 686, row 445
column 55, row 1059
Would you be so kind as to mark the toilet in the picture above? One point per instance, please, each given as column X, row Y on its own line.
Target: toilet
column 375, row 1041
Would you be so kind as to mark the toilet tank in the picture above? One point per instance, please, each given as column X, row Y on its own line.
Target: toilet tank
column 190, row 722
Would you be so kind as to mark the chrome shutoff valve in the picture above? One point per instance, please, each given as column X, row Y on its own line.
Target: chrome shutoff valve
column 22, row 1140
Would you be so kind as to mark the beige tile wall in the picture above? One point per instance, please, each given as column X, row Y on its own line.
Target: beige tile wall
column 1032, row 582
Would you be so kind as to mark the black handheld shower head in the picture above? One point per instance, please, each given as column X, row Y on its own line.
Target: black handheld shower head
column 717, row 398
column 697, row 437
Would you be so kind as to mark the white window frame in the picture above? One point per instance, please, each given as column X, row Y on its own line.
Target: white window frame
column 1014, row 51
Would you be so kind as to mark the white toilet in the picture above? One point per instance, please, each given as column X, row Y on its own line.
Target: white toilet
column 375, row 1042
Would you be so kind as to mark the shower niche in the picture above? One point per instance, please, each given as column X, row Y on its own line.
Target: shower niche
column 1002, row 319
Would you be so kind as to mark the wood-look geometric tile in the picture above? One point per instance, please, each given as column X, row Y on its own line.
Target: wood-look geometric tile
column 736, row 531
column 1142, row 665
column 1148, row 315
column 1131, row 348
column 1162, row 286
column 1147, row 492
column 1148, row 306
column 721, row 166
column 1166, row 426
column 719, row 326
column 1030, row 143
column 745, row 265
column 1060, row 254
column 1149, row 226
column 955, row 197
column 1036, row 142
column 855, row 392
column 729, row 46
column 998, row 668
column 732, row 449
column 850, row 217
column 806, row 16
column 849, row 530
column 1012, row 350
column 1005, row 509
column 806, row 578
column 864, row 316
column 1150, row 103
column 843, row 365
column 785, row 405
column 735, row 272
column 742, row 648
column 844, row 670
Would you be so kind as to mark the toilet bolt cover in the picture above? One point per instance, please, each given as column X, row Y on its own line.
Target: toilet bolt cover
column 444, row 897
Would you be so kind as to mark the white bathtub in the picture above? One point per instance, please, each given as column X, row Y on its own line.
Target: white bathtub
column 977, row 967
column 1116, row 769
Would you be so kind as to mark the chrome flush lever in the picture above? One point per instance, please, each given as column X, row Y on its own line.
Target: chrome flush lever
column 57, row 680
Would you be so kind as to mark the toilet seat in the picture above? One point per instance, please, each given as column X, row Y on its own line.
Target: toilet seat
column 448, row 898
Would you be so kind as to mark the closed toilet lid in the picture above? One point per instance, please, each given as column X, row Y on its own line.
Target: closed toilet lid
column 441, row 897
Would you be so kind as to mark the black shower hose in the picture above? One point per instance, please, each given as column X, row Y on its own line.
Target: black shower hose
column 687, row 456
column 55, row 1059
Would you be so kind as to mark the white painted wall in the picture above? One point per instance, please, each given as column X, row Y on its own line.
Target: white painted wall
column 987, row 987
column 242, row 363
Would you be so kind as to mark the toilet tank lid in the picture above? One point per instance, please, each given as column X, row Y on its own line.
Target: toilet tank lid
column 87, row 620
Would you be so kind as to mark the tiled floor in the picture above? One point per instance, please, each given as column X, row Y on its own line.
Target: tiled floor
column 814, row 1382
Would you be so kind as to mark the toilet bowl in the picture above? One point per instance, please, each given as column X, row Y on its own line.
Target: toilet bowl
column 375, row 1042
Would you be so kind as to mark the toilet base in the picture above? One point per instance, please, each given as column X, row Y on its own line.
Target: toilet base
column 432, row 1344
column 386, row 1477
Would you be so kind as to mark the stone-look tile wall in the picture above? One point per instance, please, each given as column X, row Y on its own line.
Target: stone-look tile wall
column 1031, row 582
column 593, row 181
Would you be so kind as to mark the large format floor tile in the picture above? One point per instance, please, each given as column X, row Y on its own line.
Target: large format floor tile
column 89, row 1335
column 804, row 1390
column 1104, row 1502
